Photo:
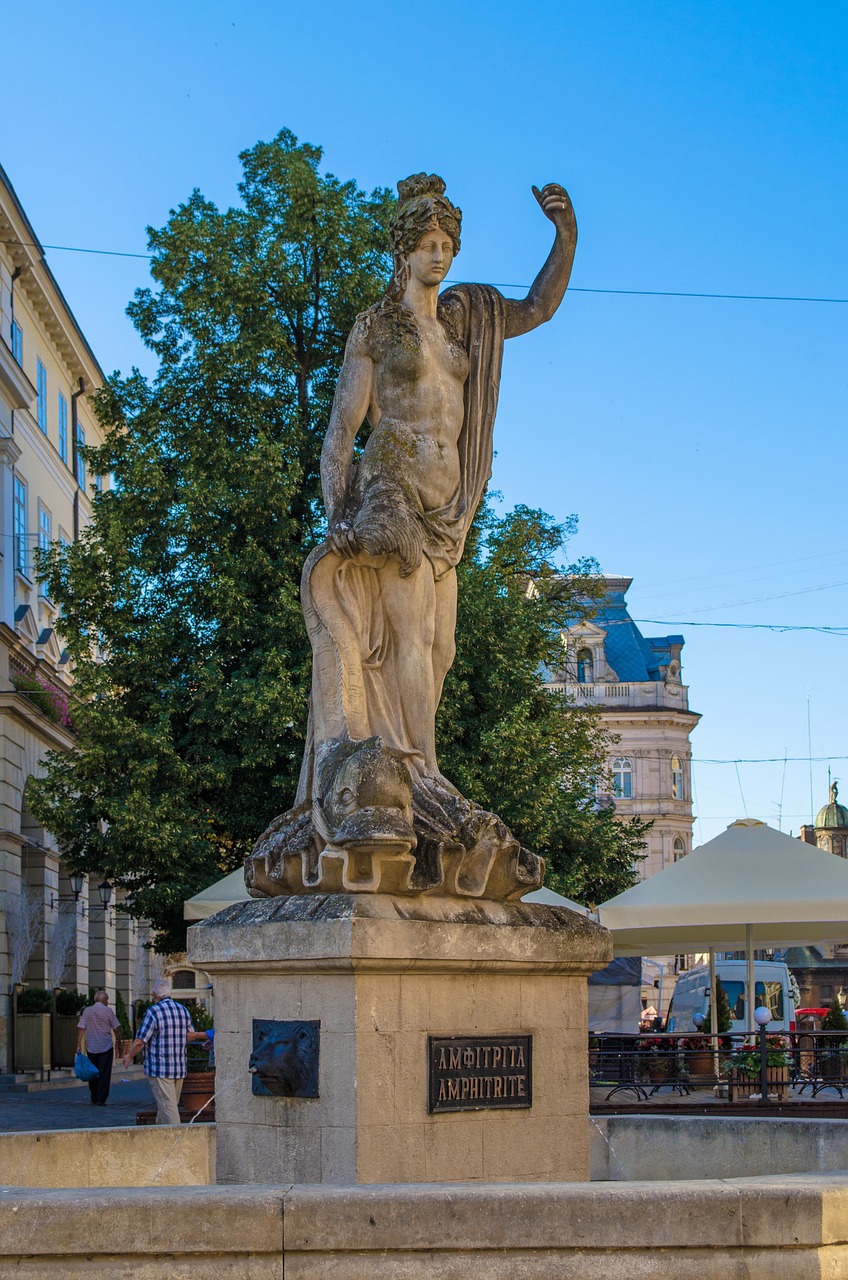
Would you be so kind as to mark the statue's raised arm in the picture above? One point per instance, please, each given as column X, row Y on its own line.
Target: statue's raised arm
column 548, row 289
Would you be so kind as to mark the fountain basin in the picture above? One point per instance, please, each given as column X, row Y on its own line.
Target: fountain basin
column 771, row 1228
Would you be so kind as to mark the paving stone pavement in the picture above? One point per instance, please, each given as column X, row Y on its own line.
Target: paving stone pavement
column 72, row 1109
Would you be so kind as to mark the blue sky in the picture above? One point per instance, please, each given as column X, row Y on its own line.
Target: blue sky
column 701, row 442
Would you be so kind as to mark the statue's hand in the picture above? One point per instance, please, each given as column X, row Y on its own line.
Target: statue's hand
column 556, row 205
column 342, row 538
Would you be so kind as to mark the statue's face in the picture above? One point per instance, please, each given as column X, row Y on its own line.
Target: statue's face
column 431, row 258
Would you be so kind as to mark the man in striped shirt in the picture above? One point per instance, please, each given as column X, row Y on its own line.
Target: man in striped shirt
column 163, row 1034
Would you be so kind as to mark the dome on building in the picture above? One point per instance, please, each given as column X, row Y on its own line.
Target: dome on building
column 833, row 814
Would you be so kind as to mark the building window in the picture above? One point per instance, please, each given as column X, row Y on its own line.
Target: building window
column 63, row 428
column 20, row 525
column 45, row 535
column 98, row 484
column 585, row 666
column 622, row 777
column 17, row 342
column 41, row 392
column 678, row 848
column 80, row 458
column 676, row 778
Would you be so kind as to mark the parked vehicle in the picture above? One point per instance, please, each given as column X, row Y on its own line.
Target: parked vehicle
column 772, row 987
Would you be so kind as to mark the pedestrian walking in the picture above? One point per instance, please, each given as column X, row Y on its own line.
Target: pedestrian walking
column 99, row 1026
column 164, row 1032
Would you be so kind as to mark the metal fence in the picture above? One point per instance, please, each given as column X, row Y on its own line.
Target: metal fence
column 645, row 1064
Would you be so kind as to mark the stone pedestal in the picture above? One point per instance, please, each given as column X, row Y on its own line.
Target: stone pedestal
column 382, row 975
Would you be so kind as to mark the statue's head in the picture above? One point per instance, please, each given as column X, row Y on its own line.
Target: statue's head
column 422, row 207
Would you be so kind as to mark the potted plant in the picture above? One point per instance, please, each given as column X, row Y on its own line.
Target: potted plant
column 122, row 1014
column 68, row 1007
column 744, row 1069
column 698, row 1049
column 656, row 1058
column 199, row 1084
column 33, row 1007
column 697, row 1055
column 830, row 1063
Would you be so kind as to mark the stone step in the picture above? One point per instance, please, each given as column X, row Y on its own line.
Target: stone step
column 58, row 1078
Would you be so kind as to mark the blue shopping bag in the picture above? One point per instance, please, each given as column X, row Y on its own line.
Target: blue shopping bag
column 84, row 1068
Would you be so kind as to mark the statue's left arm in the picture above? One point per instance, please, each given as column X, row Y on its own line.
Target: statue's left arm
column 548, row 289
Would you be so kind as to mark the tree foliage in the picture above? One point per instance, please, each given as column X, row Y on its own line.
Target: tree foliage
column 191, row 714
column 835, row 1019
column 180, row 602
column 724, row 1018
column 504, row 738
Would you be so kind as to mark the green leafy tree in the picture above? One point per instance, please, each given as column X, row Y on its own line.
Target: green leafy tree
column 122, row 1014
column 181, row 601
column 191, row 708
column 724, row 1016
column 508, row 741
column 835, row 1020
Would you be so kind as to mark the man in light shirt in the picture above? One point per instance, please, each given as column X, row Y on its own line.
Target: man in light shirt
column 99, row 1025
column 164, row 1031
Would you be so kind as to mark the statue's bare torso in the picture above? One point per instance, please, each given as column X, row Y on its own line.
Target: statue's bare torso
column 416, row 410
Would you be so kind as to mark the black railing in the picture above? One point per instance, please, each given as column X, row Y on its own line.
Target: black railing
column 808, row 1062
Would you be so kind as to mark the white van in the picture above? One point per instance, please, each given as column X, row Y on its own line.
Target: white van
column 771, row 988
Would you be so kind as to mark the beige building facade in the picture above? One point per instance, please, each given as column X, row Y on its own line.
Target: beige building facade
column 50, row 935
column 636, row 681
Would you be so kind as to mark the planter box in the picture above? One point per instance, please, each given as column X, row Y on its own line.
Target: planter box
column 742, row 1086
column 198, row 1090
column 64, row 1039
column 32, row 1042
column 700, row 1063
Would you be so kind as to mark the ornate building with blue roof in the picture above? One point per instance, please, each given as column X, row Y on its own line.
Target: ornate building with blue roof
column 636, row 680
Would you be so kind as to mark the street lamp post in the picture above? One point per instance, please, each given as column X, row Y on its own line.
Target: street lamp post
column 762, row 1017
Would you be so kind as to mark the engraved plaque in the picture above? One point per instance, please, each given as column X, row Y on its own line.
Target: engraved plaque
column 475, row 1073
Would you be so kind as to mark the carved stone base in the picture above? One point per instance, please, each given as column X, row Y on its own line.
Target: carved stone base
column 451, row 1038
column 371, row 829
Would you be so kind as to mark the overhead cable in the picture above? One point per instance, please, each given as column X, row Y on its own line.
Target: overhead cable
column 637, row 293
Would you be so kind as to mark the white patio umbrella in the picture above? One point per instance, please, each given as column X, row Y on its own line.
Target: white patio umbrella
column 749, row 887
column 223, row 893
column 226, row 892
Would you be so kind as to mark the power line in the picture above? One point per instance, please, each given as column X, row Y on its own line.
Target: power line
column 742, row 626
column 767, row 760
column 69, row 248
column 676, row 293
column 632, row 293
column 648, row 755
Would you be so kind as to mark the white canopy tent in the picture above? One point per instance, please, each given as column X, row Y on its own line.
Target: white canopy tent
column 223, row 893
column 749, row 887
column 231, row 889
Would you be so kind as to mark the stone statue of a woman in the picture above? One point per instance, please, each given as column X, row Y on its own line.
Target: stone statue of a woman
column 373, row 811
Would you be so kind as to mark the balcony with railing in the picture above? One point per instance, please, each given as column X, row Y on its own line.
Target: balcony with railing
column 642, row 694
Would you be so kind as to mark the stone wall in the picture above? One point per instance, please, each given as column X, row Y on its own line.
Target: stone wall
column 778, row 1228
column 653, row 1148
column 141, row 1157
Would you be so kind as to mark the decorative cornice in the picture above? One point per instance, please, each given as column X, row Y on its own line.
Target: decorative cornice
column 9, row 451
column 19, row 707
